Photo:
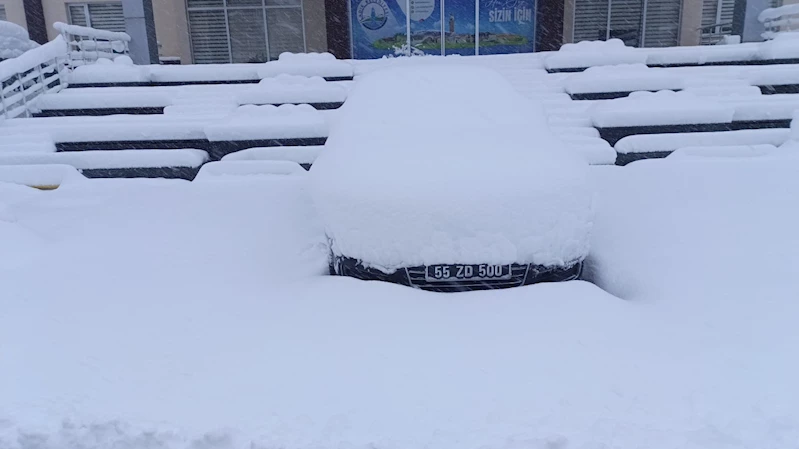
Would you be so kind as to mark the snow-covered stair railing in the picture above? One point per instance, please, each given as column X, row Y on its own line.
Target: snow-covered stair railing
column 35, row 72
column 778, row 20
column 87, row 45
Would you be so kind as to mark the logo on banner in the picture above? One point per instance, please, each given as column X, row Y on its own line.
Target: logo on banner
column 373, row 14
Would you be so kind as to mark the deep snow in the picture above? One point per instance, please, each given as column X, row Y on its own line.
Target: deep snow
column 168, row 314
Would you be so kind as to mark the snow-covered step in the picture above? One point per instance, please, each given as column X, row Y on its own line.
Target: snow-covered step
column 180, row 163
column 221, row 170
column 648, row 146
column 46, row 177
column 729, row 152
column 284, row 89
column 266, row 126
column 324, row 65
column 658, row 112
column 602, row 83
column 577, row 57
column 245, row 127
column 776, row 80
column 595, row 150
column 305, row 156
column 121, row 73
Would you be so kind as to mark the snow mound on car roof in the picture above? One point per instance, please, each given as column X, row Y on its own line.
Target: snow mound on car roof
column 425, row 166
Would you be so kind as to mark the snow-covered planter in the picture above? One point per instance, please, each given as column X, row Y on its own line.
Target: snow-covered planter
column 438, row 185
column 14, row 40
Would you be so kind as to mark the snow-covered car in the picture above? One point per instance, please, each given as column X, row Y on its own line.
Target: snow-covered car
column 444, row 178
column 14, row 40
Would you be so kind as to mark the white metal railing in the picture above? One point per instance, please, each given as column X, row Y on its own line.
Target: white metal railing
column 87, row 45
column 37, row 71
column 46, row 68
column 776, row 20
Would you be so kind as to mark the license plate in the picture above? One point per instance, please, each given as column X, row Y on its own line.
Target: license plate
column 461, row 272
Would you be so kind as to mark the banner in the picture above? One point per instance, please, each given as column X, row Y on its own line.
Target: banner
column 459, row 27
column 379, row 27
column 426, row 25
column 507, row 26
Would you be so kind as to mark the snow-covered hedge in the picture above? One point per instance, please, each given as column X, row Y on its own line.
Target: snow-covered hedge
column 14, row 40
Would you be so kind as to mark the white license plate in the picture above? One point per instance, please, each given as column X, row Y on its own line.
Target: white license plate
column 466, row 272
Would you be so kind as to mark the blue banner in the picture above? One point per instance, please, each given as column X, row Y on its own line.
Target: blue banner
column 459, row 27
column 379, row 27
column 507, row 26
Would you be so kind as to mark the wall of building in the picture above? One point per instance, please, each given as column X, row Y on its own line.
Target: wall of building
column 172, row 29
column 568, row 22
column 55, row 11
column 315, row 25
column 690, row 21
column 15, row 12
column 171, row 23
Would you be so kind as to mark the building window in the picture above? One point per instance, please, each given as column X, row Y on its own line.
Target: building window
column 639, row 23
column 102, row 16
column 225, row 31
column 3, row 12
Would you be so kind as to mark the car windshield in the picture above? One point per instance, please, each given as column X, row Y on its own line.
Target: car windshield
column 399, row 224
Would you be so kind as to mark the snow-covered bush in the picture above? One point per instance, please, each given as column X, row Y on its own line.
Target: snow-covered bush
column 14, row 40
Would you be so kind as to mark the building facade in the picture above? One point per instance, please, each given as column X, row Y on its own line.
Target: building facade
column 225, row 31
